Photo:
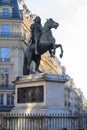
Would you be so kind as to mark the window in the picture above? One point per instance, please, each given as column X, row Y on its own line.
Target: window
column 4, row 77
column 5, row 30
column 4, row 54
column 10, row 99
column 1, row 99
column 5, row 13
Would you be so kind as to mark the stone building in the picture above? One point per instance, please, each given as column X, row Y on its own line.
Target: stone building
column 14, row 34
column 15, row 21
column 74, row 99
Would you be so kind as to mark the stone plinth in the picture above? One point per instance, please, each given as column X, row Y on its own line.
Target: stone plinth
column 38, row 93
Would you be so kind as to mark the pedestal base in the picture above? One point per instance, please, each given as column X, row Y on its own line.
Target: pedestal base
column 40, row 93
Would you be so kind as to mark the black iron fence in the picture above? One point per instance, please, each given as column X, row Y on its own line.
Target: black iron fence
column 15, row 121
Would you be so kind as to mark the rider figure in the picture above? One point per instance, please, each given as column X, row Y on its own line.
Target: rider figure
column 35, row 32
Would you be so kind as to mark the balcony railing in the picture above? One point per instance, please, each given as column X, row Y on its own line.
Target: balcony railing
column 4, row 59
column 11, row 16
column 6, row 87
column 11, row 35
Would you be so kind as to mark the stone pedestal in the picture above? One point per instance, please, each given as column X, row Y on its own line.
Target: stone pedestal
column 40, row 93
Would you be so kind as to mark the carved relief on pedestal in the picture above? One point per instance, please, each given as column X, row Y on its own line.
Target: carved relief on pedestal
column 30, row 94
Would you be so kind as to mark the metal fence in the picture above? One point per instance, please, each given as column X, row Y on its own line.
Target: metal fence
column 43, row 122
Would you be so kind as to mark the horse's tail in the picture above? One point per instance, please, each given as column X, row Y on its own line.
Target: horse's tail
column 25, row 66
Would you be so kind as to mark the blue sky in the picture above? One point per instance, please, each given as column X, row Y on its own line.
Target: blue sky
column 72, row 33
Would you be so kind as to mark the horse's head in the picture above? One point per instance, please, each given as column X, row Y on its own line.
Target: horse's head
column 50, row 23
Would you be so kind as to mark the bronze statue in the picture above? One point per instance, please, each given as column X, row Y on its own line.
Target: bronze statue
column 35, row 33
column 44, row 44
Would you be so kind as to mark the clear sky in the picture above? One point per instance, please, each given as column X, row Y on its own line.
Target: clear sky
column 72, row 34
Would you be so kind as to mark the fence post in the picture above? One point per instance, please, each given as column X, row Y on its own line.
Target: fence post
column 64, row 128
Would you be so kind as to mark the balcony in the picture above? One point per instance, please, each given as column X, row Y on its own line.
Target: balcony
column 6, row 108
column 11, row 16
column 4, row 87
column 11, row 35
column 4, row 59
column 14, row 35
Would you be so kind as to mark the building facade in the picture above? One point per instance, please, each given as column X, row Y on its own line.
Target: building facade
column 14, row 34
column 74, row 99
column 15, row 21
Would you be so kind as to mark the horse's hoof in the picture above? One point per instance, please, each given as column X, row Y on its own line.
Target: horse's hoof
column 38, row 71
column 51, row 55
column 54, row 52
column 61, row 55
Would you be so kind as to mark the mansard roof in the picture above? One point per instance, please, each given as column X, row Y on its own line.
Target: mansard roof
column 14, row 5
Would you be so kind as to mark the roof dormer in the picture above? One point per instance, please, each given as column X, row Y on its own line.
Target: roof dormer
column 5, row 11
column 9, row 9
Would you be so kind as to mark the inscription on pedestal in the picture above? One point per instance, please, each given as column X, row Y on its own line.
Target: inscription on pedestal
column 30, row 94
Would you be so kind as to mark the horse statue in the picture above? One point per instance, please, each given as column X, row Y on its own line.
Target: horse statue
column 46, row 43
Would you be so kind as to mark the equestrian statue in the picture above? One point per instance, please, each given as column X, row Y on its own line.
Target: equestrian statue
column 41, row 41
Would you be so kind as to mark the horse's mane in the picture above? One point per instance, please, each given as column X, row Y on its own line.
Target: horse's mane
column 47, row 22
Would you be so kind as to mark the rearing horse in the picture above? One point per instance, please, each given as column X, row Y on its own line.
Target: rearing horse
column 46, row 43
